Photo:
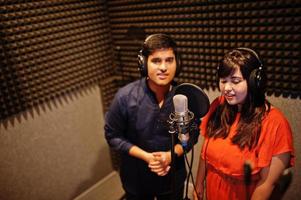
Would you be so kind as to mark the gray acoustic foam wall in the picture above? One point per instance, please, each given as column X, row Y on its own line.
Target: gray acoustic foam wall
column 50, row 48
column 54, row 56
column 55, row 151
column 205, row 30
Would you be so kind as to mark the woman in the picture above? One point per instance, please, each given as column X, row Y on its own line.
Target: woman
column 248, row 142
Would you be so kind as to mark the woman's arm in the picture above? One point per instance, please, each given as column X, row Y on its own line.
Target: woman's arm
column 270, row 175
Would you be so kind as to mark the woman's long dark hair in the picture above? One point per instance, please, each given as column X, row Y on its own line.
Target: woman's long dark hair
column 252, row 112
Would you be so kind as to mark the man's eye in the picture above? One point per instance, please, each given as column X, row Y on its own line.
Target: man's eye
column 156, row 61
column 169, row 60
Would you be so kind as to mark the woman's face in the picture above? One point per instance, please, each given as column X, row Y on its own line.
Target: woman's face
column 234, row 87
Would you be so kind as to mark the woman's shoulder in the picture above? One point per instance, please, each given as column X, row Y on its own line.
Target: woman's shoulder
column 275, row 119
column 213, row 105
column 275, row 114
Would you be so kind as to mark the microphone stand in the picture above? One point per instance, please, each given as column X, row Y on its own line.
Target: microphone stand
column 172, row 131
column 247, row 178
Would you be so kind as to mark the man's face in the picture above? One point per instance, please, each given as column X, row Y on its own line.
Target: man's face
column 161, row 67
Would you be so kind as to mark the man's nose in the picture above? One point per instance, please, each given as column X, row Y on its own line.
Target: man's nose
column 163, row 66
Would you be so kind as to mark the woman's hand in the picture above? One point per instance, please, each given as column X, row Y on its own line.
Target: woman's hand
column 198, row 195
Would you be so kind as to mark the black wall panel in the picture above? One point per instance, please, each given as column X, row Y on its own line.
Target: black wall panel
column 50, row 48
column 205, row 30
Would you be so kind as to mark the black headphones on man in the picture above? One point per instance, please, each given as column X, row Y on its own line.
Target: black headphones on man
column 143, row 53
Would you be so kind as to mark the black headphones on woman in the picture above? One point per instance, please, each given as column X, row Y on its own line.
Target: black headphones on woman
column 257, row 79
column 142, row 55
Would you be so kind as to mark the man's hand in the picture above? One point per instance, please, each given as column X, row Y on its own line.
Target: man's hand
column 160, row 165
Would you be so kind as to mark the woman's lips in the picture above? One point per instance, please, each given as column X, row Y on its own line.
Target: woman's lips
column 229, row 97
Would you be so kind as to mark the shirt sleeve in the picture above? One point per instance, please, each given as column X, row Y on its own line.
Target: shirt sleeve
column 115, row 125
column 276, row 139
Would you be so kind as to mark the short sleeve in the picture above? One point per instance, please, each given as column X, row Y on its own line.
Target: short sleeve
column 276, row 138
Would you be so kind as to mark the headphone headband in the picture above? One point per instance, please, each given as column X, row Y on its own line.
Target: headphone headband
column 252, row 52
column 153, row 35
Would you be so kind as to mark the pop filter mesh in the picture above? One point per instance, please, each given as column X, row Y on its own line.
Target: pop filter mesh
column 198, row 101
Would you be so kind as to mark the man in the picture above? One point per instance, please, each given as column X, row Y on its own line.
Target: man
column 137, row 125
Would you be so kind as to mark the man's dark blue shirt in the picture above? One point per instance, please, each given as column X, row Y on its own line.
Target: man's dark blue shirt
column 135, row 118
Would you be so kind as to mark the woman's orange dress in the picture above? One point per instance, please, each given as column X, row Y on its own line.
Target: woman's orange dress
column 225, row 161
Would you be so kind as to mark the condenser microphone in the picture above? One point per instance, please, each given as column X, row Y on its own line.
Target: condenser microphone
column 198, row 101
column 182, row 118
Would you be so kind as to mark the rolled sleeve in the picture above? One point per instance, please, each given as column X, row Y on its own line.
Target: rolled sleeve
column 115, row 126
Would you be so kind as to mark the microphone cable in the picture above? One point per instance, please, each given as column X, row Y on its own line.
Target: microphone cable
column 247, row 178
column 189, row 173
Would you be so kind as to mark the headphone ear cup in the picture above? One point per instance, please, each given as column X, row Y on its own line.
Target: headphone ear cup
column 254, row 81
column 142, row 64
column 257, row 85
column 257, row 81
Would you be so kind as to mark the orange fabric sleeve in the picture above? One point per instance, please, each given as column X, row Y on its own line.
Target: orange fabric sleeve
column 276, row 138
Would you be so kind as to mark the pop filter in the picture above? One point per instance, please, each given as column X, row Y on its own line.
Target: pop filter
column 198, row 101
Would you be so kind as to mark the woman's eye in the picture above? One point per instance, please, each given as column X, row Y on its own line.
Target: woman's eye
column 236, row 81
